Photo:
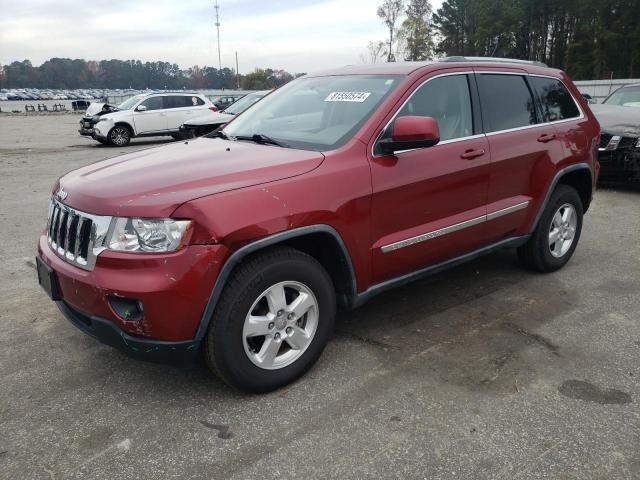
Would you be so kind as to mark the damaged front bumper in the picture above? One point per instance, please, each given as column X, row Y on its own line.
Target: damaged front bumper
column 171, row 290
column 86, row 127
column 174, row 353
column 621, row 163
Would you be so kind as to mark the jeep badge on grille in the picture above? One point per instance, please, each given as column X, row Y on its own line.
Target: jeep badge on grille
column 61, row 194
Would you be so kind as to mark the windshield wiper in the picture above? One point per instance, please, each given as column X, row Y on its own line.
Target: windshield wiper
column 261, row 139
column 218, row 134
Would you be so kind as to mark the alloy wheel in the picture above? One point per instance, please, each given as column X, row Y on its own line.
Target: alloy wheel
column 562, row 230
column 280, row 325
column 119, row 136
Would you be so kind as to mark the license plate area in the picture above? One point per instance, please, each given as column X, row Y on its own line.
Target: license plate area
column 48, row 280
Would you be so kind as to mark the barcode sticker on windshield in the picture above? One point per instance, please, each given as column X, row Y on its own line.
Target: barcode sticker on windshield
column 347, row 97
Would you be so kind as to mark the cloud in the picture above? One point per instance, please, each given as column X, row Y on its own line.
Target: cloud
column 299, row 36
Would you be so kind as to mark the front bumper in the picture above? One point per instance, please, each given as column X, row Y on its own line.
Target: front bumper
column 175, row 353
column 621, row 164
column 174, row 289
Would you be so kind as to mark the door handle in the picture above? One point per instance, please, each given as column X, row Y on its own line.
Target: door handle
column 546, row 137
column 471, row 154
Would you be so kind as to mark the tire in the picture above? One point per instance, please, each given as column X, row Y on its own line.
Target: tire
column 539, row 253
column 242, row 360
column 119, row 136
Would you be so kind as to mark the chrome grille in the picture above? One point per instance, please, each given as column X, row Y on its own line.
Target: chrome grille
column 75, row 236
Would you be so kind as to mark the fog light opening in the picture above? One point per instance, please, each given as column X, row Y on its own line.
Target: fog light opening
column 127, row 308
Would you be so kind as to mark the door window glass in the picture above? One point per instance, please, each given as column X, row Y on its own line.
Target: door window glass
column 447, row 100
column 557, row 103
column 178, row 101
column 506, row 102
column 153, row 103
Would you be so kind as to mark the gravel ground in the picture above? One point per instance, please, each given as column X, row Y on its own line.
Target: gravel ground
column 484, row 371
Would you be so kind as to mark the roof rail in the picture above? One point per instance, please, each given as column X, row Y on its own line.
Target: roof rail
column 494, row 59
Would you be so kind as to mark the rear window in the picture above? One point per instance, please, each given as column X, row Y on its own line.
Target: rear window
column 506, row 102
column 557, row 103
column 181, row 101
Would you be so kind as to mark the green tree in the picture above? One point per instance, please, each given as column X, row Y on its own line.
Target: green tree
column 389, row 12
column 257, row 80
column 416, row 31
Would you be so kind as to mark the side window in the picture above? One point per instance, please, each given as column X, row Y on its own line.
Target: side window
column 177, row 101
column 153, row 103
column 557, row 102
column 446, row 99
column 506, row 102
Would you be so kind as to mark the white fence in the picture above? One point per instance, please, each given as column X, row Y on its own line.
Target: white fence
column 600, row 89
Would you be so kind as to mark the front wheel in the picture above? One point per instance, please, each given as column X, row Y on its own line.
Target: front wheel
column 119, row 136
column 556, row 236
column 274, row 318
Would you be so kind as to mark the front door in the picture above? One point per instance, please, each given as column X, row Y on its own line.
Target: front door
column 429, row 204
column 153, row 119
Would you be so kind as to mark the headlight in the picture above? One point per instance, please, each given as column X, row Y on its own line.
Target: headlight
column 147, row 234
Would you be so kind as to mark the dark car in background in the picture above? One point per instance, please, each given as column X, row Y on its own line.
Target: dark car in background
column 619, row 149
column 224, row 101
column 207, row 123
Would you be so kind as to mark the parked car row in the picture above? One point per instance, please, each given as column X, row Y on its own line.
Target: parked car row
column 37, row 94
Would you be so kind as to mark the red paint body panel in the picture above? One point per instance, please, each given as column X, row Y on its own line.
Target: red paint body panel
column 174, row 288
column 154, row 182
column 239, row 192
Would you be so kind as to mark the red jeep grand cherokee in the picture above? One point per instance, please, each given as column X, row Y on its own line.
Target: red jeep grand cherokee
column 334, row 188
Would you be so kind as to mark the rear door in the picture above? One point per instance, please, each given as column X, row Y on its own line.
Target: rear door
column 429, row 204
column 524, row 148
column 180, row 108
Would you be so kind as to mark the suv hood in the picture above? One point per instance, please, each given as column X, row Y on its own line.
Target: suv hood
column 154, row 182
column 211, row 118
column 617, row 120
column 100, row 109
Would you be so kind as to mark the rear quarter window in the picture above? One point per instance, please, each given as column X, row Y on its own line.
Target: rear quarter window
column 557, row 103
column 506, row 102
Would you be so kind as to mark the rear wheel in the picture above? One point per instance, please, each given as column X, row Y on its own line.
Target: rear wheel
column 274, row 318
column 119, row 136
column 556, row 236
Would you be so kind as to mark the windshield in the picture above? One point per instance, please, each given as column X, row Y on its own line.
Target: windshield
column 317, row 113
column 130, row 102
column 244, row 103
column 625, row 97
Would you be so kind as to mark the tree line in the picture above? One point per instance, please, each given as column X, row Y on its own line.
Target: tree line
column 590, row 39
column 66, row 73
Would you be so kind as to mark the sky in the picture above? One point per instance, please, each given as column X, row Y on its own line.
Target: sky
column 295, row 35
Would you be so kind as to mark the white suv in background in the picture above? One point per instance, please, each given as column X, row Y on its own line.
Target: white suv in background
column 146, row 115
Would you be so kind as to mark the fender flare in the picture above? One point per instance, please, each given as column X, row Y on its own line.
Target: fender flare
column 253, row 247
column 556, row 179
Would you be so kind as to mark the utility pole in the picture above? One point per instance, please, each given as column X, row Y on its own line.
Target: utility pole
column 218, row 29
column 237, row 73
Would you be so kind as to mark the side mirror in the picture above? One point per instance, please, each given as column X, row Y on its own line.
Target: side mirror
column 411, row 132
column 141, row 108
